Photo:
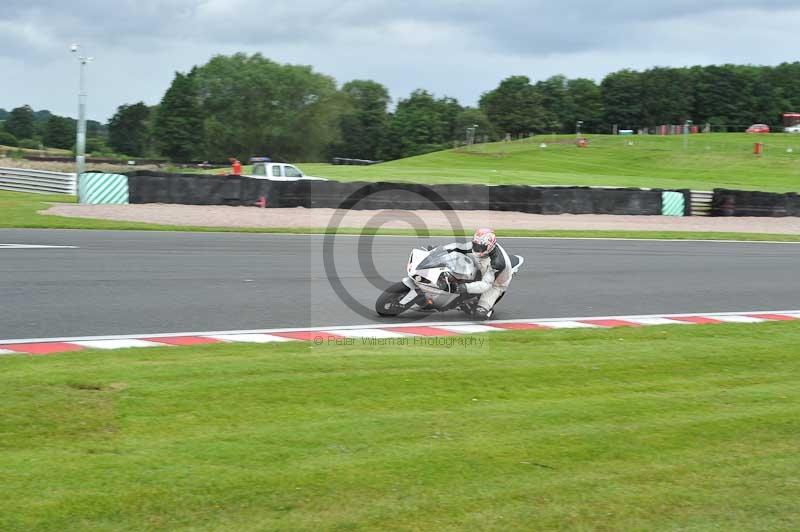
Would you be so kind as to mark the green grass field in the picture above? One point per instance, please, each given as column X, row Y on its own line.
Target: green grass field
column 683, row 428
column 719, row 160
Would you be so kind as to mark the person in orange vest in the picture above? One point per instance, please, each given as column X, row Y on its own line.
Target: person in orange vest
column 236, row 166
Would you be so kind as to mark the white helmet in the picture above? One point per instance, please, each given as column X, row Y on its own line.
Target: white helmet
column 483, row 242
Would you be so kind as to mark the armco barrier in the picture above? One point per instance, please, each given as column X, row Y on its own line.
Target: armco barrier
column 699, row 202
column 192, row 189
column 751, row 203
column 39, row 181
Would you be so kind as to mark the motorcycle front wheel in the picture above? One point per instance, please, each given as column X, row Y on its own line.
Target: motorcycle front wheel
column 388, row 303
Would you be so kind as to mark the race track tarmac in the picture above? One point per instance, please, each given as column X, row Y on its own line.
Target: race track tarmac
column 125, row 282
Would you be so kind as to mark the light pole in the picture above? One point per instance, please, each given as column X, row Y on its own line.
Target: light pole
column 471, row 134
column 80, row 143
column 686, row 128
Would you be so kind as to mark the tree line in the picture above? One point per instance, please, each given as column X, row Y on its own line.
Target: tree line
column 25, row 128
column 247, row 105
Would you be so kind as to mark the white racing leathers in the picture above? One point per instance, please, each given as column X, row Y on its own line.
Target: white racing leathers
column 495, row 270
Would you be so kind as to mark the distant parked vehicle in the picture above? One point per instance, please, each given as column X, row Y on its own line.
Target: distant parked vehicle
column 758, row 128
column 279, row 172
column 792, row 129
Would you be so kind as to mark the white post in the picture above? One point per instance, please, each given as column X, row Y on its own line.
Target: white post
column 686, row 127
column 80, row 141
column 80, row 146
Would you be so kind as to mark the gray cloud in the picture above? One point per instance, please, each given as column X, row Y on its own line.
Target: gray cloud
column 454, row 47
column 540, row 26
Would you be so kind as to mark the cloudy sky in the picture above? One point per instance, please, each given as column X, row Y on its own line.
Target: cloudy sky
column 450, row 47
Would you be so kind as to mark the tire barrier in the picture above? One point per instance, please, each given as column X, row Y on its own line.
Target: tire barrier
column 193, row 189
column 189, row 189
column 752, row 203
column 96, row 188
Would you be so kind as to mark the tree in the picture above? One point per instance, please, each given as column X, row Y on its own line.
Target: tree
column 128, row 129
column 365, row 122
column 40, row 119
column 515, row 107
column 558, row 104
column 622, row 98
column 422, row 123
column 666, row 96
column 254, row 106
column 20, row 122
column 587, row 104
column 7, row 139
column 59, row 132
column 785, row 77
column 718, row 95
column 95, row 129
column 449, row 109
column 471, row 117
column 178, row 127
column 96, row 145
column 30, row 144
column 765, row 101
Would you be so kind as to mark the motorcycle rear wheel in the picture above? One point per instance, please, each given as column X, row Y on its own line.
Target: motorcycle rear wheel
column 388, row 303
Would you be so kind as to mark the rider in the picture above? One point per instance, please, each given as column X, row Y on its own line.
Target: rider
column 495, row 266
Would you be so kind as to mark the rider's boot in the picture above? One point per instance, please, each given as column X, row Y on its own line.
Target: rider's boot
column 482, row 313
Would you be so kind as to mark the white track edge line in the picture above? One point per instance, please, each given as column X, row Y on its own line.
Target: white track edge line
column 34, row 246
column 448, row 236
column 383, row 326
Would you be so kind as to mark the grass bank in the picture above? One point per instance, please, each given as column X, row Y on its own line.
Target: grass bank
column 707, row 161
column 690, row 428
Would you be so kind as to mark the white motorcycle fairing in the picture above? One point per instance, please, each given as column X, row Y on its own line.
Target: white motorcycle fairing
column 432, row 283
column 436, row 279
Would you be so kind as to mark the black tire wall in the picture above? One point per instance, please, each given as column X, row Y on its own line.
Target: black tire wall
column 193, row 189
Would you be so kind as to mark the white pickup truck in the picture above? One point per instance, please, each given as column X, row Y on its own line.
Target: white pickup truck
column 279, row 172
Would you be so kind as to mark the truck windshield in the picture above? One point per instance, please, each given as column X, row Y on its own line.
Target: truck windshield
column 291, row 171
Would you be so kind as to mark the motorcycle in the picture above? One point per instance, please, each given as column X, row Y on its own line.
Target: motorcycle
column 432, row 283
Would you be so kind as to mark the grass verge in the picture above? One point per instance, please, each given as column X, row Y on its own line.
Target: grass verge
column 19, row 210
column 658, row 428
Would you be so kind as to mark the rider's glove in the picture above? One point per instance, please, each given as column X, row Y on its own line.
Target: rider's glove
column 428, row 248
column 462, row 288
